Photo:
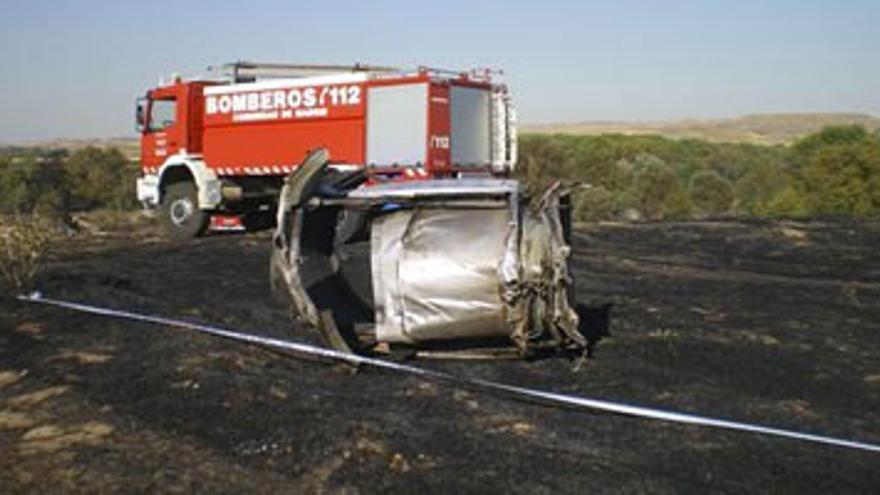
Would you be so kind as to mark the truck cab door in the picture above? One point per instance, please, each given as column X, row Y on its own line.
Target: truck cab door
column 163, row 131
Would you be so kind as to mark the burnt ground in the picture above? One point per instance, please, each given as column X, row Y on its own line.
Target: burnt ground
column 777, row 323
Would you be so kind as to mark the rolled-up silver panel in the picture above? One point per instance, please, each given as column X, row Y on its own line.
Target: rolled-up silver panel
column 436, row 274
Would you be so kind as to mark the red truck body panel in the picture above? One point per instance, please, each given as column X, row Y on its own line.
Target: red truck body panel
column 268, row 127
column 265, row 125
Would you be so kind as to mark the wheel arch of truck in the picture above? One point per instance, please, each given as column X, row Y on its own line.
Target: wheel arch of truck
column 186, row 167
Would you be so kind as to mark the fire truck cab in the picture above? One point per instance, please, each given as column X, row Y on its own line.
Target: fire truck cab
column 215, row 150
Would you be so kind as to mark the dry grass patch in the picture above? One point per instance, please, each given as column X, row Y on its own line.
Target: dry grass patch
column 797, row 236
column 51, row 438
column 14, row 421
column 8, row 378
column 503, row 423
column 31, row 329
column 37, row 397
column 24, row 246
column 83, row 357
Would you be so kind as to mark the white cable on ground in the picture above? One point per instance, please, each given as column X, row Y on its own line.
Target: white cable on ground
column 523, row 392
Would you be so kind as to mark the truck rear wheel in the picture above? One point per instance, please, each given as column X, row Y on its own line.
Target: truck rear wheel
column 180, row 211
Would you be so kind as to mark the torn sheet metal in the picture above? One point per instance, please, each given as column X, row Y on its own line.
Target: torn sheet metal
column 435, row 274
column 437, row 188
column 422, row 263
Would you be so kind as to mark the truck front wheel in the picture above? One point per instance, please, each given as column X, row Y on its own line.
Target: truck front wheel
column 180, row 211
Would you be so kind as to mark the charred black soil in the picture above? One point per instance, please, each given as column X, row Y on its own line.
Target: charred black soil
column 776, row 323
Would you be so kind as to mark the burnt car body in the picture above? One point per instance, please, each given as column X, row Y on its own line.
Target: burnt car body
column 451, row 264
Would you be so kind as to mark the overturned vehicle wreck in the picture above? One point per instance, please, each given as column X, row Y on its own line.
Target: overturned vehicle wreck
column 448, row 265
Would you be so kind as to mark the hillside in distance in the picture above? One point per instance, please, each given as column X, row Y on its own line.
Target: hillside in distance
column 129, row 146
column 771, row 128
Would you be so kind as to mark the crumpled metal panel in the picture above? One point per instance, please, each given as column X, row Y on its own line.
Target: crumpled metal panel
column 445, row 260
column 436, row 274
column 465, row 187
column 543, row 304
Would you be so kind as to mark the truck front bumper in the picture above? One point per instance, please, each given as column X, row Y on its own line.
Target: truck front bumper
column 148, row 190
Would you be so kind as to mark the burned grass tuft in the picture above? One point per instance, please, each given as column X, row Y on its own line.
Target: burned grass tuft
column 24, row 246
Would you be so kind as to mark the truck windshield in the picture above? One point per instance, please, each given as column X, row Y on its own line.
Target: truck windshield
column 162, row 114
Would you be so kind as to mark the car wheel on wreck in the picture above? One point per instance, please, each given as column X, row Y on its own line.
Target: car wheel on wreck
column 445, row 266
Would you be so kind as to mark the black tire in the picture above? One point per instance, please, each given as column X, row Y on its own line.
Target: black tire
column 181, row 215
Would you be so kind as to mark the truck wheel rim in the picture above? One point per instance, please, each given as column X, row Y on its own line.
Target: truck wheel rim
column 180, row 211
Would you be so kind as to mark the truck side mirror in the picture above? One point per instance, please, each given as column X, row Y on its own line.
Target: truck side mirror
column 140, row 114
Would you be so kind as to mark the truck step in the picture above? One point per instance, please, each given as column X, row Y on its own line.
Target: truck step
column 226, row 223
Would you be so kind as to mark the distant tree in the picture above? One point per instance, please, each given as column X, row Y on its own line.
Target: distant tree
column 807, row 147
column 15, row 195
column 677, row 204
column 540, row 162
column 788, row 202
column 647, row 161
column 595, row 203
column 838, row 169
column 100, row 178
column 840, row 179
column 656, row 190
column 833, row 171
column 754, row 190
column 51, row 196
column 31, row 181
column 710, row 193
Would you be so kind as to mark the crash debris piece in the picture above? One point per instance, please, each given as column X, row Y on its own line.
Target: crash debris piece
column 437, row 264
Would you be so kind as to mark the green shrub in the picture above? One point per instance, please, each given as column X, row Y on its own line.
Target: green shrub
column 843, row 135
column 789, row 202
column 677, row 204
column 595, row 203
column 24, row 245
column 840, row 171
column 754, row 191
column 100, row 179
column 15, row 195
column 51, row 183
column 835, row 171
column 710, row 193
column 656, row 191
column 33, row 183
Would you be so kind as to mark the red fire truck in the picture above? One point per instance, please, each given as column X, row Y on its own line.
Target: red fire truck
column 216, row 149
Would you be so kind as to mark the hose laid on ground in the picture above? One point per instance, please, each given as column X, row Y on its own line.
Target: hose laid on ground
column 516, row 391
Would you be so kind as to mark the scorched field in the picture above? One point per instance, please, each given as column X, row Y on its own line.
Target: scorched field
column 767, row 322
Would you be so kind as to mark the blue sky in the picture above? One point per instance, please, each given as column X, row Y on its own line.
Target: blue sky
column 73, row 69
